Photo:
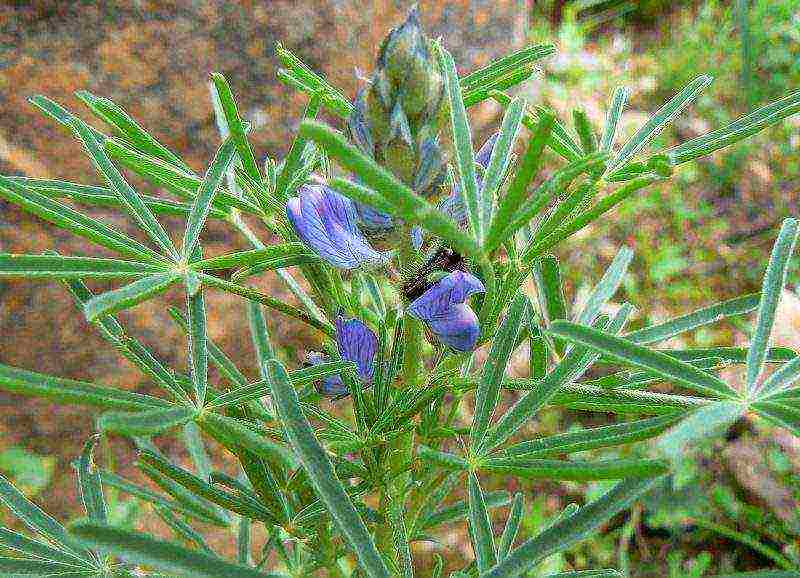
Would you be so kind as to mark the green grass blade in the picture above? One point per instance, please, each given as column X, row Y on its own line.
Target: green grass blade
column 39, row 521
column 618, row 100
column 321, row 474
column 527, row 169
column 494, row 369
column 480, row 526
column 500, row 159
column 90, row 487
column 205, row 196
column 512, row 526
column 668, row 367
column 659, row 121
column 590, row 439
column 695, row 319
column 139, row 548
column 62, row 216
column 145, row 423
column 235, row 126
column 70, row 391
column 387, row 194
column 704, row 422
column 462, row 143
column 68, row 267
column 133, row 202
column 771, row 289
column 574, row 470
column 137, row 292
column 606, row 287
column 114, row 115
column 571, row 530
column 738, row 130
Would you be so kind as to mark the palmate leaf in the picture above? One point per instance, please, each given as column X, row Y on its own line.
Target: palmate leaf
column 321, row 473
column 142, row 549
column 668, row 367
column 37, row 549
column 702, row 423
column 570, row 530
column 133, row 202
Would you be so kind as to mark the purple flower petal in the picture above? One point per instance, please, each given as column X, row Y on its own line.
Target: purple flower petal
column 326, row 221
column 357, row 343
column 443, row 307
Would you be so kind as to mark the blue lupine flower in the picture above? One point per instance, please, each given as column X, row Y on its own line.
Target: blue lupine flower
column 357, row 343
column 444, row 309
column 326, row 221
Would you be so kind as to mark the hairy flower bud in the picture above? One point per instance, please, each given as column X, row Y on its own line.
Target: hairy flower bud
column 398, row 116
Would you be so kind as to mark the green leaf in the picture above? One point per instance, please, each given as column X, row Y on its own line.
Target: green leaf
column 781, row 380
column 588, row 574
column 133, row 202
column 738, row 130
column 779, row 414
column 182, row 529
column 19, row 568
column 62, row 267
column 235, row 126
column 500, row 159
column 695, row 319
column 480, row 526
column 294, row 158
column 139, row 548
column 67, row 218
column 588, row 398
column 512, row 526
column 460, row 510
column 702, row 423
column 771, row 289
column 71, row 391
column 145, row 423
column 590, row 439
column 606, row 287
column 321, row 474
column 659, row 121
column 205, row 196
column 114, row 115
column 528, row 168
column 198, row 345
column 385, row 192
column 38, row 521
column 89, row 484
column 538, row 469
column 585, row 132
column 259, row 334
column 491, row 76
column 228, row 430
column 270, row 257
column 125, row 297
column 668, row 367
column 618, row 101
column 570, row 530
column 494, row 369
column 547, row 278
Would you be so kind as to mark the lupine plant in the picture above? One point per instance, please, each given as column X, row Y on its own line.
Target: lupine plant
column 425, row 267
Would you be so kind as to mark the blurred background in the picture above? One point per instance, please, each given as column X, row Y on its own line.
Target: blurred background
column 701, row 238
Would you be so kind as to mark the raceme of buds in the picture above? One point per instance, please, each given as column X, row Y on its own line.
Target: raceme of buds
column 444, row 309
column 398, row 116
column 326, row 221
column 357, row 343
